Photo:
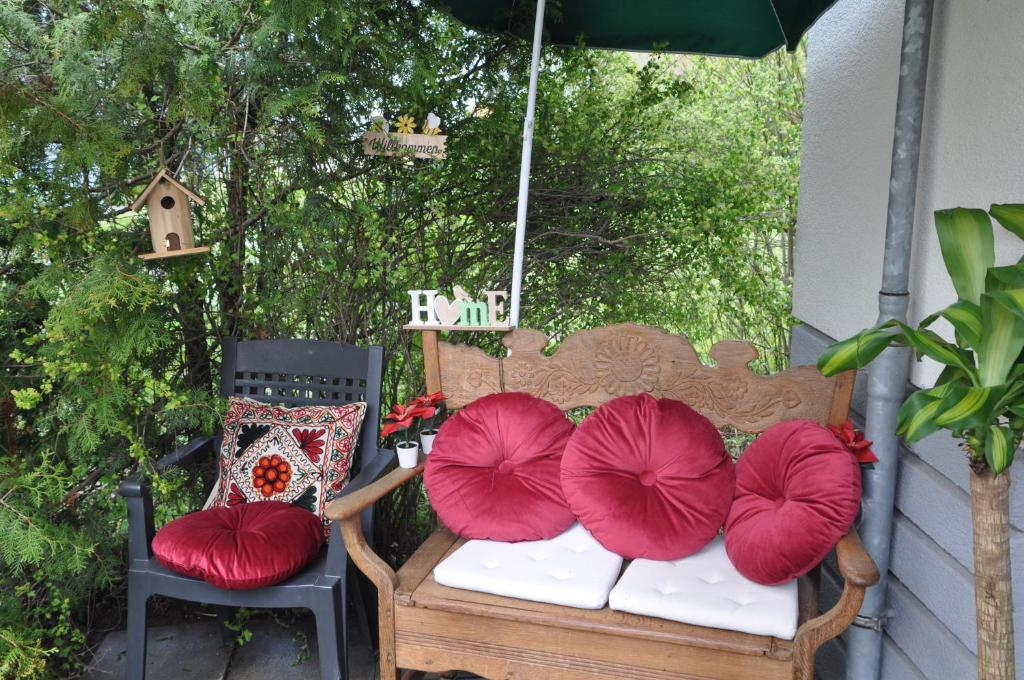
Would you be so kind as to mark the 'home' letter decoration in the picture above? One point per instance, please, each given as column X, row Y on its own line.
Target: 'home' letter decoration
column 430, row 311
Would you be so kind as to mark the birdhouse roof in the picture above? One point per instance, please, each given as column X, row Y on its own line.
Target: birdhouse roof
column 164, row 174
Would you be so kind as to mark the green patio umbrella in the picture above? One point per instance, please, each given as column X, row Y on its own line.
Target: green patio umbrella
column 738, row 28
column 735, row 28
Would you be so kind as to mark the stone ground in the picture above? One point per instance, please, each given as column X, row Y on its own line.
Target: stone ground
column 196, row 651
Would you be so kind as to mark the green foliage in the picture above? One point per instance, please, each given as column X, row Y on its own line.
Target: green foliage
column 664, row 192
column 979, row 396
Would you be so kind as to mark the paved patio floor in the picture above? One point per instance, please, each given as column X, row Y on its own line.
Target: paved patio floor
column 196, row 651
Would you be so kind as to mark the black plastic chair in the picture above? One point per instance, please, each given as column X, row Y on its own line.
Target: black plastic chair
column 291, row 373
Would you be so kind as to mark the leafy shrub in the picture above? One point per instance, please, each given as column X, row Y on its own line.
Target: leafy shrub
column 664, row 192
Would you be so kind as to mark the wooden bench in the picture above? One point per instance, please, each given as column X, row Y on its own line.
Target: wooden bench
column 428, row 627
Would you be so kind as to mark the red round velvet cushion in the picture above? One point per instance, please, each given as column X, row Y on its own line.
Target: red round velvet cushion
column 493, row 471
column 648, row 477
column 245, row 546
column 797, row 494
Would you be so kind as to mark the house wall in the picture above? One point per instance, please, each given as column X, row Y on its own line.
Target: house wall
column 972, row 156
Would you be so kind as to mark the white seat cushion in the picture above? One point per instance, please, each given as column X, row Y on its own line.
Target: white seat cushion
column 571, row 569
column 704, row 589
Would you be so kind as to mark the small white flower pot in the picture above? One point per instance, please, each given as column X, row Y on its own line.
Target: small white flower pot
column 427, row 440
column 408, row 454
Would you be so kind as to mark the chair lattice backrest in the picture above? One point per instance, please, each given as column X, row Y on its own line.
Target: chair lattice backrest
column 300, row 372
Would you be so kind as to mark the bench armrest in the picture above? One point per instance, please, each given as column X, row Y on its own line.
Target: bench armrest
column 360, row 498
column 859, row 572
column 346, row 512
column 855, row 564
column 337, row 555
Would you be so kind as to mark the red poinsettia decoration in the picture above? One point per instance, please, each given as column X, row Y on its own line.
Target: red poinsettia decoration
column 854, row 440
column 429, row 403
column 403, row 416
column 432, row 399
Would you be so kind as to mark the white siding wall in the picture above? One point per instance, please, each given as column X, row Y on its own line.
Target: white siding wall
column 973, row 155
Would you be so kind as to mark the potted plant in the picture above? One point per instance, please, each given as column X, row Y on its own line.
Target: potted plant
column 978, row 397
column 428, row 431
column 402, row 418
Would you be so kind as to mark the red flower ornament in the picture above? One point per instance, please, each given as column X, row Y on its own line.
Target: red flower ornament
column 310, row 441
column 432, row 399
column 402, row 416
column 271, row 475
column 854, row 440
column 235, row 496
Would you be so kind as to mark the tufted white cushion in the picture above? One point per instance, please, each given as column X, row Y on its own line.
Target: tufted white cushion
column 704, row 589
column 571, row 569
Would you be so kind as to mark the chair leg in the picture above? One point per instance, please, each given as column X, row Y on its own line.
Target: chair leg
column 358, row 591
column 332, row 633
column 138, row 595
column 226, row 615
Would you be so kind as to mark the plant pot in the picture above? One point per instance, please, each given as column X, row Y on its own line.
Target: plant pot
column 408, row 454
column 427, row 440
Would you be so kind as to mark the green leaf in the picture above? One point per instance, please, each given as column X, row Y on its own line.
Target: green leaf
column 953, row 374
column 1013, row 300
column 965, row 318
column 916, row 418
column 855, row 352
column 1005, row 278
column 307, row 500
column 1000, row 445
column 966, row 407
column 1001, row 342
column 247, row 436
column 932, row 345
column 965, row 236
column 1011, row 216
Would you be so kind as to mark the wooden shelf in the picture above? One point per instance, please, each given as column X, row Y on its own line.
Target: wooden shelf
column 175, row 253
column 471, row 329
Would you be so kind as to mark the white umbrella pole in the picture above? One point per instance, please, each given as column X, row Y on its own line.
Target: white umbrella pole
column 524, row 169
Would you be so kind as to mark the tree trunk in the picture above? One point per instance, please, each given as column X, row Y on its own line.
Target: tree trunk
column 990, row 510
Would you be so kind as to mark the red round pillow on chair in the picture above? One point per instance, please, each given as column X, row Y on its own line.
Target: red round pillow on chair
column 797, row 494
column 239, row 547
column 648, row 477
column 493, row 471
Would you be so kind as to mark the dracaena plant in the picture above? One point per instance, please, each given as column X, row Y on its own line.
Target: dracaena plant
column 979, row 396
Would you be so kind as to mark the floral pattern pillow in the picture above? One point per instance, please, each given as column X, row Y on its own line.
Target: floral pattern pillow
column 298, row 455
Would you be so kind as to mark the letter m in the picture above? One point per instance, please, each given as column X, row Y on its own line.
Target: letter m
column 473, row 313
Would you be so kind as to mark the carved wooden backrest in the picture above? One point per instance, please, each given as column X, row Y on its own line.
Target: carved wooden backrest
column 590, row 367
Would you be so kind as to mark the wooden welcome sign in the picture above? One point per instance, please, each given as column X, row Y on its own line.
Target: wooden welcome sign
column 430, row 143
column 430, row 311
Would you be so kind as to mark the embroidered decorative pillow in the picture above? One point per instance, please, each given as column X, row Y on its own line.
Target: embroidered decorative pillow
column 295, row 455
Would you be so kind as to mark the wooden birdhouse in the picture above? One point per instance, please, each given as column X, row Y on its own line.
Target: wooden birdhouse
column 170, row 217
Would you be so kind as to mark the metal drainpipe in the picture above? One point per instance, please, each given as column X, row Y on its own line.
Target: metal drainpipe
column 888, row 374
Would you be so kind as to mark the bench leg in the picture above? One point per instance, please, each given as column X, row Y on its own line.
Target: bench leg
column 138, row 595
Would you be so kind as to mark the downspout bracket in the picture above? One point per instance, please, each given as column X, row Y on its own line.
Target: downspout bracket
column 875, row 623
